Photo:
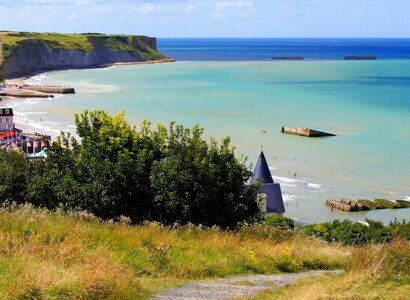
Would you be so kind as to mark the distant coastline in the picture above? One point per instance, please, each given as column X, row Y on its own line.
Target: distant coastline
column 29, row 53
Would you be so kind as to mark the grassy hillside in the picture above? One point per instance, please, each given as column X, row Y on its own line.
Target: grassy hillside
column 11, row 41
column 49, row 255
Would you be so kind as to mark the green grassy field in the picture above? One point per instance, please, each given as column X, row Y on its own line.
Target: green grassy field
column 52, row 255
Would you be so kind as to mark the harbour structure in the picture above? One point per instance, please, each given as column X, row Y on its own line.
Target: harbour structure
column 269, row 193
column 305, row 132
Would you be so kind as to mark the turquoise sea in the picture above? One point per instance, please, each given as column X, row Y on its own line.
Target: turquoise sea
column 366, row 103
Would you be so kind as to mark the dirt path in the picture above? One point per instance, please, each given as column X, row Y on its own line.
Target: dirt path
column 237, row 287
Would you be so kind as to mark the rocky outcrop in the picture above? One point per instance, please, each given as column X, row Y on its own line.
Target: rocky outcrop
column 36, row 55
column 346, row 204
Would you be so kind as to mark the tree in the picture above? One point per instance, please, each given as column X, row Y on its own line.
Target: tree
column 199, row 183
column 14, row 173
column 166, row 175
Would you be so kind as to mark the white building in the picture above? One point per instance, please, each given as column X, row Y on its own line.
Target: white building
column 6, row 118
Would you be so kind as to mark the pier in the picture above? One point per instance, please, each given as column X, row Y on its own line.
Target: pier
column 33, row 91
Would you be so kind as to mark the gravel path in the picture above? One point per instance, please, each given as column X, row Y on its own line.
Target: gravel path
column 237, row 287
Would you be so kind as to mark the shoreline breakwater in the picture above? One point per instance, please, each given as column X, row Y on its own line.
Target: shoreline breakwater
column 34, row 91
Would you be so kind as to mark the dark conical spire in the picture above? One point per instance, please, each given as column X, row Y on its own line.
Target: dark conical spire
column 262, row 170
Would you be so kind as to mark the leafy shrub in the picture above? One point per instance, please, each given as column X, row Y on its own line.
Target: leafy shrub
column 171, row 176
column 350, row 233
column 280, row 222
column 400, row 229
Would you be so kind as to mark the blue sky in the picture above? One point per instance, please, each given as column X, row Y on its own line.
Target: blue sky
column 211, row 18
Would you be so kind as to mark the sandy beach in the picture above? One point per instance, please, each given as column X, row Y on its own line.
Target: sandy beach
column 25, row 127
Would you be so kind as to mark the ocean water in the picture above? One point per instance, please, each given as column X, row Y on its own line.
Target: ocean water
column 262, row 49
column 231, row 88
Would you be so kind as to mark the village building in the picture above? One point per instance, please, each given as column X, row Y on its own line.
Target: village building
column 6, row 119
column 269, row 193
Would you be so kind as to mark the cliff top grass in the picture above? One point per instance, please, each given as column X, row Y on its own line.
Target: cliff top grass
column 11, row 40
column 57, row 255
column 72, row 41
column 66, row 41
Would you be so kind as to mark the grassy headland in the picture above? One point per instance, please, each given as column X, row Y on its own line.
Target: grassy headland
column 44, row 46
column 11, row 41
column 55, row 255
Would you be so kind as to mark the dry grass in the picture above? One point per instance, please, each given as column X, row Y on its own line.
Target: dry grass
column 46, row 255
column 374, row 272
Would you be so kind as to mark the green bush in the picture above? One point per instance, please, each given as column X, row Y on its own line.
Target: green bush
column 400, row 229
column 280, row 222
column 168, row 175
column 350, row 233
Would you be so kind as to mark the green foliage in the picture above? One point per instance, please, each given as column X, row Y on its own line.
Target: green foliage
column 350, row 233
column 127, row 43
column 15, row 172
column 280, row 222
column 150, row 54
column 172, row 176
column 200, row 183
column 8, row 49
column 396, row 261
column 400, row 229
column 119, row 43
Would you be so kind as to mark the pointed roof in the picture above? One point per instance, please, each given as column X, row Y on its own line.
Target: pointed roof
column 262, row 171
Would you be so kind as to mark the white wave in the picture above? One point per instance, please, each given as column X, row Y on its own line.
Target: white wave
column 36, row 79
column 272, row 168
column 408, row 198
column 106, row 68
column 50, row 123
column 288, row 198
column 28, row 113
column 288, row 185
column 285, row 179
column 292, row 182
column 71, row 126
column 313, row 185
column 42, row 128
column 32, row 101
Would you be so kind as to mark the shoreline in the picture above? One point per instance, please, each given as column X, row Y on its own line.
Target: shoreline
column 25, row 127
column 19, row 81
